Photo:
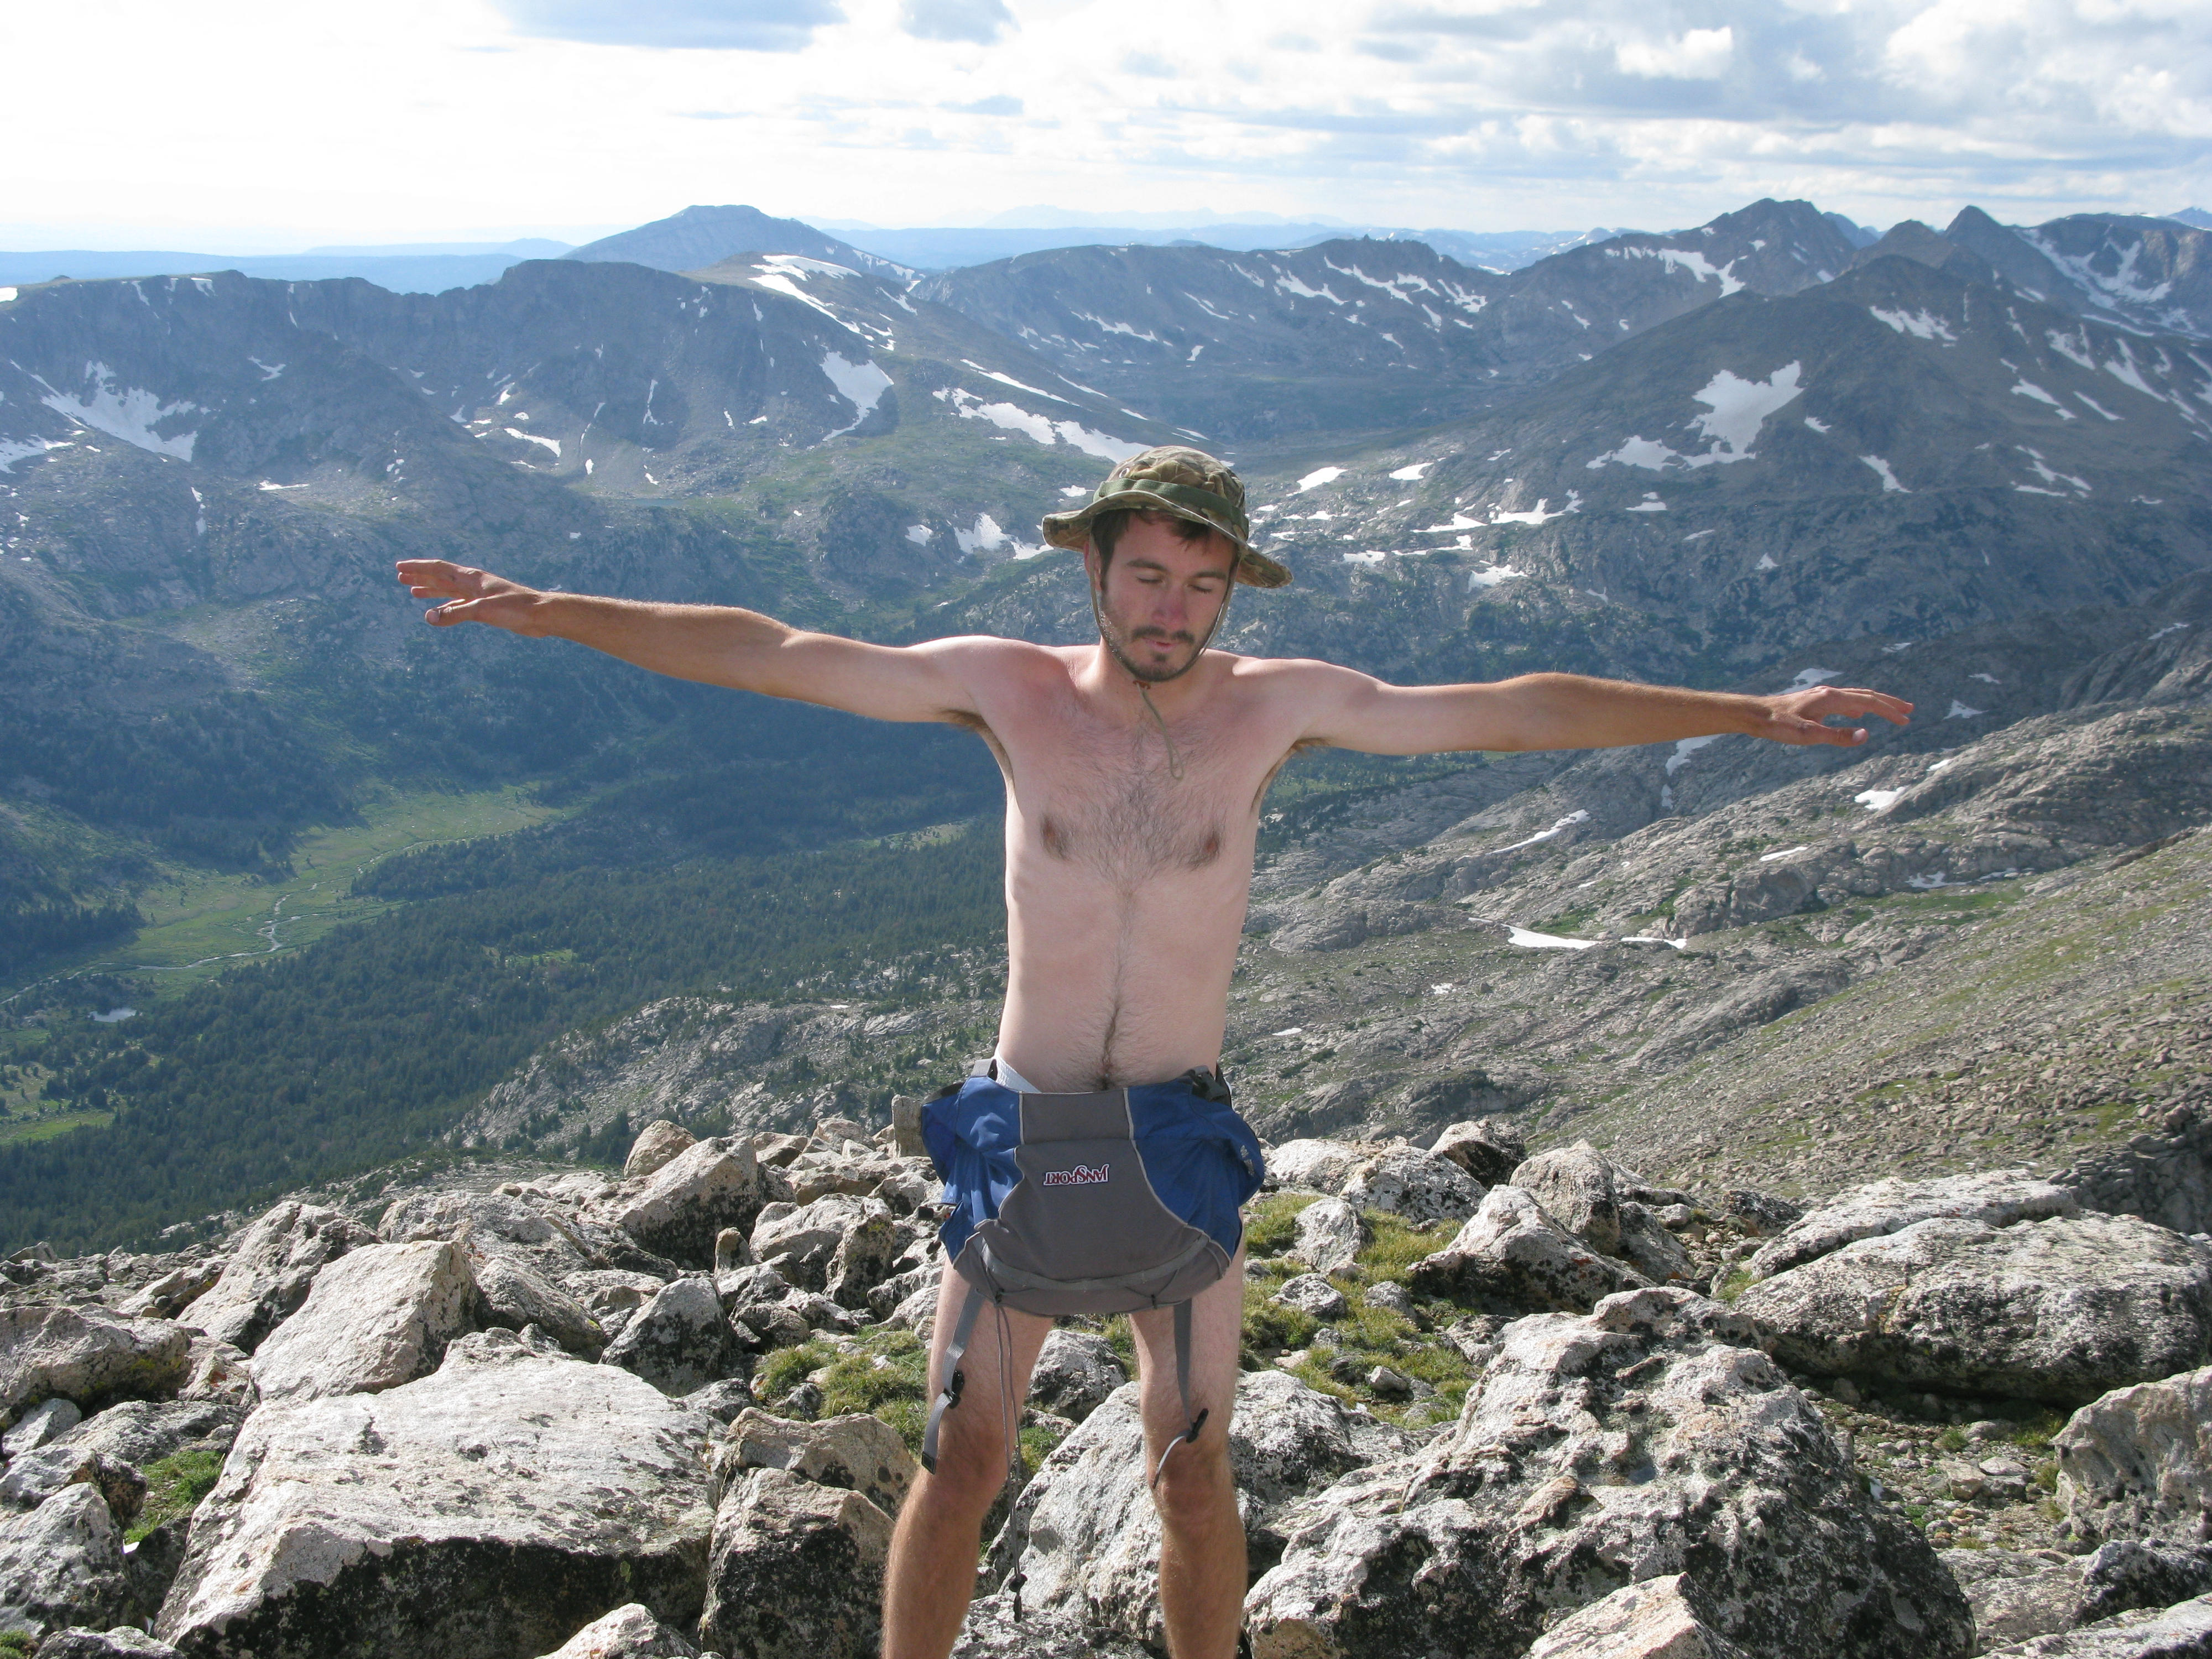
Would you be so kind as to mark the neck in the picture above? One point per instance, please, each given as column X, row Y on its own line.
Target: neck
column 1112, row 678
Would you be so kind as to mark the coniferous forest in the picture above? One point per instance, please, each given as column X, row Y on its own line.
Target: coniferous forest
column 364, row 1049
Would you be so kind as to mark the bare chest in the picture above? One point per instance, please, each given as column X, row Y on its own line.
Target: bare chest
column 1110, row 802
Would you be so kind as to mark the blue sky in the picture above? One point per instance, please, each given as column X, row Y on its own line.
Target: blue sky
column 259, row 125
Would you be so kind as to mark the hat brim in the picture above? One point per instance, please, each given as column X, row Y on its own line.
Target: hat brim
column 1072, row 531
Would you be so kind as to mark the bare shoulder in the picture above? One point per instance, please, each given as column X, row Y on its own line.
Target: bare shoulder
column 983, row 658
column 1305, row 682
column 988, row 660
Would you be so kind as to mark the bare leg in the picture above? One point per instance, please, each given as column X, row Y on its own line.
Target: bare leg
column 1201, row 1536
column 930, row 1577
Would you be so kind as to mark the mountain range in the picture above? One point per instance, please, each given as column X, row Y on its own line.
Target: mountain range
column 1767, row 450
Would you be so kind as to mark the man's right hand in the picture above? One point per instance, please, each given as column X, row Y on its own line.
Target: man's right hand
column 471, row 596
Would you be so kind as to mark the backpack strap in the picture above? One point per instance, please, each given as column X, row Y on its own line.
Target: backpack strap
column 955, row 1380
column 956, row 1383
column 1182, row 1321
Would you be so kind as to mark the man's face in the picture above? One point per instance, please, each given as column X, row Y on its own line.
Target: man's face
column 1160, row 597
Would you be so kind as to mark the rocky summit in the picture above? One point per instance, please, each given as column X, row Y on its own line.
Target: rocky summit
column 1492, row 1403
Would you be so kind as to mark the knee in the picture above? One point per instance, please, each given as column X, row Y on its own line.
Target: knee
column 969, row 1474
column 1196, row 1486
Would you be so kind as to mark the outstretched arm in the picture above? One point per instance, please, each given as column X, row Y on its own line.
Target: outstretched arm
column 1573, row 711
column 720, row 645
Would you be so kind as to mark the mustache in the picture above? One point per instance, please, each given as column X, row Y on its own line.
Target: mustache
column 1177, row 636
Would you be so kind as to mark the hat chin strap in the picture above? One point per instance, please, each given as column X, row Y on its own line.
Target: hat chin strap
column 1143, row 686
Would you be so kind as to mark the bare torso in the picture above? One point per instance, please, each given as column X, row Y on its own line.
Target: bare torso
column 1126, row 886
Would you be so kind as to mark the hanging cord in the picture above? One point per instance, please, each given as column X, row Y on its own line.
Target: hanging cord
column 1144, row 686
column 1174, row 761
column 1009, row 1415
column 1182, row 1347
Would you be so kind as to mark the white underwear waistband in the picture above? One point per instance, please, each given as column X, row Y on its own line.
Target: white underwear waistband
column 1008, row 1078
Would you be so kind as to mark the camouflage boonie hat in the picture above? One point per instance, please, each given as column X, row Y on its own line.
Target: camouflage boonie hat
column 1187, row 483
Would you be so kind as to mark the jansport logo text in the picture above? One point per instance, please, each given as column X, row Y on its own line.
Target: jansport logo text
column 1082, row 1174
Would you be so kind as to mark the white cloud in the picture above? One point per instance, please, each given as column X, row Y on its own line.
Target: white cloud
column 1699, row 55
column 913, row 110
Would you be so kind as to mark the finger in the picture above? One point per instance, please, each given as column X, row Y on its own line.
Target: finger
column 453, row 610
column 1857, row 700
column 1813, row 731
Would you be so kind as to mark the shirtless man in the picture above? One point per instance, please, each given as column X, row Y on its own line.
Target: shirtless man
column 1135, row 769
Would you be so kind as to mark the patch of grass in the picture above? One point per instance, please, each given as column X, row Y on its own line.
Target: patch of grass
column 15, row 1641
column 1271, row 1224
column 1394, row 1246
column 2035, row 1432
column 1272, row 1328
column 2046, row 1476
column 1952, row 1439
column 1037, row 1442
column 1363, row 1338
column 1737, row 1282
column 888, row 1377
column 174, row 1486
column 786, row 1368
column 1120, row 1337
column 20, row 1130
column 200, row 922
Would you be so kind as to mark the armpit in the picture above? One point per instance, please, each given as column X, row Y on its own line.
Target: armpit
column 1275, row 771
column 969, row 721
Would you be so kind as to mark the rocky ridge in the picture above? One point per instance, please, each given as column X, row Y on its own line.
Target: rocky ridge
column 1492, row 1403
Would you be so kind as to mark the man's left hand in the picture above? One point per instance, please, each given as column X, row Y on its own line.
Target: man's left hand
column 1803, row 716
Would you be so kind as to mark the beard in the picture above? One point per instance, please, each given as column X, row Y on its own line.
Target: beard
column 1120, row 644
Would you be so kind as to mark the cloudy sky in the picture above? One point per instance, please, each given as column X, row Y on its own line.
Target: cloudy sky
column 268, row 126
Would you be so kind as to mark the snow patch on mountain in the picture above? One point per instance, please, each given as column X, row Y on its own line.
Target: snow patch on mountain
column 1291, row 284
column 553, row 443
column 1889, row 483
column 1008, row 379
column 130, row 413
column 1559, row 828
column 1105, row 327
column 2027, row 388
column 2044, row 472
column 1530, row 939
column 13, row 450
column 1920, row 324
column 862, row 384
column 1688, row 747
column 1735, row 408
column 1697, row 265
column 2122, row 285
column 1043, row 428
